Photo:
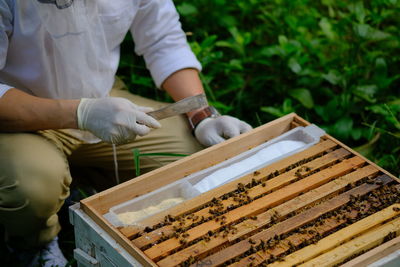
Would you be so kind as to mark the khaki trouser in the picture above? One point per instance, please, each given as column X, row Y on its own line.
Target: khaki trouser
column 35, row 170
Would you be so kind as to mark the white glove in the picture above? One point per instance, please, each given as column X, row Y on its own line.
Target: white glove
column 211, row 131
column 114, row 120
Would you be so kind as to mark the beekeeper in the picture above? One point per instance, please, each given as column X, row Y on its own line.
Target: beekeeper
column 61, row 107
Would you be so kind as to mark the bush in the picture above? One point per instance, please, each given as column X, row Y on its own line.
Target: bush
column 335, row 63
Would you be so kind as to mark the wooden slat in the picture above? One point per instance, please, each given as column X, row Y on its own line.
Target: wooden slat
column 260, row 205
column 206, row 197
column 284, row 209
column 364, row 242
column 299, row 120
column 339, row 237
column 397, row 179
column 272, row 184
column 294, row 124
column 375, row 254
column 294, row 222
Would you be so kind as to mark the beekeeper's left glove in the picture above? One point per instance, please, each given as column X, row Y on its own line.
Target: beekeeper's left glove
column 214, row 130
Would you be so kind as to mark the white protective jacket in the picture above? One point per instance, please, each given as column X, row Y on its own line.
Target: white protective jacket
column 73, row 52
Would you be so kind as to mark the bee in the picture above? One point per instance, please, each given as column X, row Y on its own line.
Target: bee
column 251, row 241
column 175, row 235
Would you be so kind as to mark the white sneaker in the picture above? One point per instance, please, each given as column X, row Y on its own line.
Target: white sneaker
column 51, row 255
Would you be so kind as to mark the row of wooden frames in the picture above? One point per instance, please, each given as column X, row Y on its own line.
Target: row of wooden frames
column 326, row 205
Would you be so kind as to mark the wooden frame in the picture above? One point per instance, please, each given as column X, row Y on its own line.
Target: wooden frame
column 288, row 198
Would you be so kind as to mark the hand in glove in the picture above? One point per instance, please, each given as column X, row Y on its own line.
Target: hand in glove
column 211, row 131
column 114, row 120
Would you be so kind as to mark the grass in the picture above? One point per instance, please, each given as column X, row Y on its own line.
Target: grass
column 137, row 155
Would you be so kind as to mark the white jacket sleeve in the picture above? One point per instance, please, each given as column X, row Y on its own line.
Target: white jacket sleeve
column 5, row 32
column 158, row 36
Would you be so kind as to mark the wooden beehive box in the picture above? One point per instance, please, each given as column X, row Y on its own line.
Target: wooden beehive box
column 326, row 205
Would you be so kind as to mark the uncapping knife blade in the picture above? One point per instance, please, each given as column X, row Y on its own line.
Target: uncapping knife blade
column 182, row 106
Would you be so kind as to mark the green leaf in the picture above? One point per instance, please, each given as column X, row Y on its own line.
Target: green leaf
column 272, row 51
column 326, row 28
column 142, row 80
column 273, row 111
column 368, row 148
column 321, row 111
column 333, row 76
column 388, row 160
column 343, row 127
column 282, row 39
column 196, row 48
column 359, row 11
column 223, row 108
column 236, row 35
column 356, row 133
column 279, row 112
column 287, row 106
column 380, row 68
column 232, row 45
column 395, row 104
column 209, row 41
column 378, row 109
column 392, row 118
column 327, row 2
column 367, row 32
column 366, row 92
column 332, row 12
column 225, row 44
column 229, row 21
column 186, row 9
column 303, row 96
column 294, row 65
column 236, row 64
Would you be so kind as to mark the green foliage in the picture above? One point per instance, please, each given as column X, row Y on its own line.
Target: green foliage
column 335, row 63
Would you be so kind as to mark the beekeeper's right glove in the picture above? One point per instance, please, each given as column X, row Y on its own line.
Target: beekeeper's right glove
column 114, row 120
